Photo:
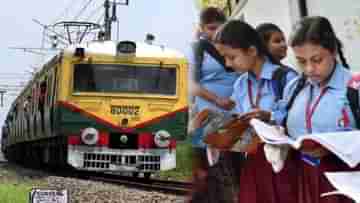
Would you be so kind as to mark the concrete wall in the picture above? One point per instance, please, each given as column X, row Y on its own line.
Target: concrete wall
column 278, row 12
column 344, row 15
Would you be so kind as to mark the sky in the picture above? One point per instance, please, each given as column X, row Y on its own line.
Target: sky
column 171, row 21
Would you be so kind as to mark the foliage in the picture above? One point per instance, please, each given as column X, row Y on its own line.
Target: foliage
column 14, row 193
column 183, row 169
column 226, row 5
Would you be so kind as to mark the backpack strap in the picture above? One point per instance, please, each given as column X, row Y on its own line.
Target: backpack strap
column 352, row 95
column 198, row 52
column 279, row 79
column 299, row 86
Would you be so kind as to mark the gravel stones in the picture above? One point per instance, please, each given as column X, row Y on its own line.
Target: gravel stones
column 86, row 191
column 98, row 192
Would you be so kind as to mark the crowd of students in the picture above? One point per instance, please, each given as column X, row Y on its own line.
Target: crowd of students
column 234, row 68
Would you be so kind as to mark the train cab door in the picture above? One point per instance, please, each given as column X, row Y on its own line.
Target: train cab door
column 16, row 124
column 32, row 112
column 39, row 111
column 53, row 98
column 24, row 136
column 42, row 97
column 48, row 104
column 28, row 114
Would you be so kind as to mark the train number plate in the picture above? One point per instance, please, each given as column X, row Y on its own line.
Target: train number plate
column 125, row 110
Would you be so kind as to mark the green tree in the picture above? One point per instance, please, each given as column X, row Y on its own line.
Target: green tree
column 226, row 5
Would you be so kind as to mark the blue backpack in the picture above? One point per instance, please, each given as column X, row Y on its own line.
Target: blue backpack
column 279, row 79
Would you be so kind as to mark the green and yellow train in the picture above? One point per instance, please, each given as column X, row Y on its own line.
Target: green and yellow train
column 102, row 106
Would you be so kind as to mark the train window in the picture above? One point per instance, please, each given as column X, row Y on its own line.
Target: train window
column 115, row 78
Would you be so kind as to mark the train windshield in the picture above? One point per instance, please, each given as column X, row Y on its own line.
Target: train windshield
column 118, row 78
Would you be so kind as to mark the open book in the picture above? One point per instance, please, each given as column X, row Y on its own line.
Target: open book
column 222, row 130
column 346, row 183
column 345, row 145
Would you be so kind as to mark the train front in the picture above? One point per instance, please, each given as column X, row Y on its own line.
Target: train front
column 122, row 106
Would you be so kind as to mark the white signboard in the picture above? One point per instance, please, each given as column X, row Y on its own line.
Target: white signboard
column 48, row 196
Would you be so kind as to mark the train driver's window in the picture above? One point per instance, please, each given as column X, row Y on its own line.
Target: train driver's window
column 125, row 84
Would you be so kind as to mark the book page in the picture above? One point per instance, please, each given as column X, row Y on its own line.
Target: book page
column 270, row 134
column 346, row 183
column 344, row 144
column 349, row 141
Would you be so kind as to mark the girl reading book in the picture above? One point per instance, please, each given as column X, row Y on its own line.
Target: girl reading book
column 318, row 102
column 256, row 95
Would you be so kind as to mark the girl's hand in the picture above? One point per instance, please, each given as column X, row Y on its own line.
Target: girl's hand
column 317, row 153
column 225, row 103
column 257, row 113
column 200, row 118
column 313, row 149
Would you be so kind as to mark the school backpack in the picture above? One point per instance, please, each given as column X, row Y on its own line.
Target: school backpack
column 202, row 46
column 352, row 95
column 279, row 80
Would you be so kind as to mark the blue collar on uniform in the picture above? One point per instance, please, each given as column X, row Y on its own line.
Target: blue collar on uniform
column 267, row 70
column 337, row 80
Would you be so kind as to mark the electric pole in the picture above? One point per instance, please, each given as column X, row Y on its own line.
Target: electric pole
column 2, row 92
column 109, row 20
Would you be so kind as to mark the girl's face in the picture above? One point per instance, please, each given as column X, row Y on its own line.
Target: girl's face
column 241, row 60
column 210, row 29
column 316, row 61
column 277, row 45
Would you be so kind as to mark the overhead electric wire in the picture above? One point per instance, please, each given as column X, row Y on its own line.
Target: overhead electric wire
column 14, row 79
column 47, row 28
column 64, row 12
column 2, row 86
column 13, row 83
column 101, row 18
column 11, row 73
column 94, row 13
column 87, row 4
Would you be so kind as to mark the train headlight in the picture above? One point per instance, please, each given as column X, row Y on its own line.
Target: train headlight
column 90, row 136
column 162, row 138
column 124, row 139
column 126, row 48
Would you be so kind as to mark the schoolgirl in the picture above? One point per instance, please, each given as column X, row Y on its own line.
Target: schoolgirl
column 256, row 96
column 274, row 40
column 211, row 86
column 318, row 102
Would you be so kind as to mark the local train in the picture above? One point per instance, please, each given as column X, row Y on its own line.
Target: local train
column 104, row 106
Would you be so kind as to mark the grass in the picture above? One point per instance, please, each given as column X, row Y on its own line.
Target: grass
column 183, row 170
column 14, row 193
column 14, row 187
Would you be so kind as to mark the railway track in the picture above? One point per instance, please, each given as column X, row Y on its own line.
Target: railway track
column 173, row 187
column 3, row 161
column 165, row 186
